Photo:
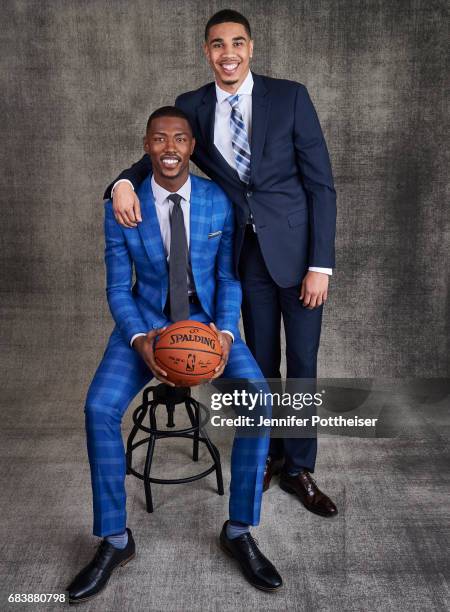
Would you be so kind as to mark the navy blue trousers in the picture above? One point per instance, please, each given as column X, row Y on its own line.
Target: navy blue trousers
column 264, row 304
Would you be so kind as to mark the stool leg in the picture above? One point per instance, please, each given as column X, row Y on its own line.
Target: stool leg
column 197, row 431
column 131, row 437
column 148, row 462
column 148, row 465
column 170, row 412
column 194, row 422
column 219, row 476
column 214, row 452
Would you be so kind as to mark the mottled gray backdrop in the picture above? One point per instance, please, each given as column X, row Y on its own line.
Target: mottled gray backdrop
column 78, row 81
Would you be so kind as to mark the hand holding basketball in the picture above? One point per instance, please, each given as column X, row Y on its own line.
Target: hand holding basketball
column 144, row 346
column 189, row 352
column 225, row 342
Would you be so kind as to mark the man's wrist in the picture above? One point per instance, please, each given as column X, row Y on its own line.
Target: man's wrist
column 139, row 335
column 328, row 271
column 228, row 333
column 121, row 181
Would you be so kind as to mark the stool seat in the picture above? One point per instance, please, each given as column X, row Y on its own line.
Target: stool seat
column 198, row 414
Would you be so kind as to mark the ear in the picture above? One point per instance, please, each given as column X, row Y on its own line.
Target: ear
column 250, row 46
column 206, row 50
column 192, row 145
column 145, row 143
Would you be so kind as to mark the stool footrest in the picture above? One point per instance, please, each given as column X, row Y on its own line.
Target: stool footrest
column 170, row 397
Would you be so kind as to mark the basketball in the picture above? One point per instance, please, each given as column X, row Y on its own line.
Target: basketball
column 189, row 352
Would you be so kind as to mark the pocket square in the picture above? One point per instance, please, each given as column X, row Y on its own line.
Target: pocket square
column 214, row 234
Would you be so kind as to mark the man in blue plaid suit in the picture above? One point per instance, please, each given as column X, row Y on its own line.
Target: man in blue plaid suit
column 128, row 362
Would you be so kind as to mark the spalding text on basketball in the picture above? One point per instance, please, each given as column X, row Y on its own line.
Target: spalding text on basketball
column 180, row 338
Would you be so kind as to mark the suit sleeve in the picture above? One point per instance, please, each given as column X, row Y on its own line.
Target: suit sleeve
column 314, row 165
column 136, row 174
column 180, row 103
column 119, row 279
column 228, row 288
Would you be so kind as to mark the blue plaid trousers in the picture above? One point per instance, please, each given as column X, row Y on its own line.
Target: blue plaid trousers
column 119, row 377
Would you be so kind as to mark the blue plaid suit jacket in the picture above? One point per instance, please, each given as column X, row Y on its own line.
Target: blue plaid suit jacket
column 139, row 307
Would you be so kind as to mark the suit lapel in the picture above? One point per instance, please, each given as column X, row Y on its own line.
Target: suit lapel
column 260, row 114
column 149, row 228
column 206, row 115
column 199, row 223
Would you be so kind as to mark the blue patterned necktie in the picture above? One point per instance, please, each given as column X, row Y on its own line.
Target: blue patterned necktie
column 239, row 140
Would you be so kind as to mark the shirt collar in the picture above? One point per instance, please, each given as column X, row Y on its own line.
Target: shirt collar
column 245, row 89
column 160, row 194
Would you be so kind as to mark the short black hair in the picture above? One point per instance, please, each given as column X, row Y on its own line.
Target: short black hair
column 168, row 111
column 227, row 16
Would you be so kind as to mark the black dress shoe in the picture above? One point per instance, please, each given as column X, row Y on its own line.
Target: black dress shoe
column 273, row 468
column 258, row 570
column 94, row 577
column 305, row 488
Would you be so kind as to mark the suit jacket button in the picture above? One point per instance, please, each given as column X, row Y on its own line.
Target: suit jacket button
column 249, row 194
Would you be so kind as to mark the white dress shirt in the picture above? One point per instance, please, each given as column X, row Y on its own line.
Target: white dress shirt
column 222, row 131
column 164, row 208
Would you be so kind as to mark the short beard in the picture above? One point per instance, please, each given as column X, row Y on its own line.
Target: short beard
column 171, row 176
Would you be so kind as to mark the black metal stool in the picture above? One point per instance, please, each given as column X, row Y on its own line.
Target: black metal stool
column 198, row 416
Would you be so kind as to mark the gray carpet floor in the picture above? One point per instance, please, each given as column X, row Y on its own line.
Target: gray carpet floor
column 387, row 549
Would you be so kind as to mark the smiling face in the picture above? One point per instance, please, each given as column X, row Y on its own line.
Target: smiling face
column 228, row 50
column 169, row 143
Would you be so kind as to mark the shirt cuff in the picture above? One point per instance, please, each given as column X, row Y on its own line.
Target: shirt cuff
column 328, row 271
column 121, row 181
column 227, row 331
column 136, row 335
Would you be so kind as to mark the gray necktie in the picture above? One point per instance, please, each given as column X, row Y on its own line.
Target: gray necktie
column 178, row 263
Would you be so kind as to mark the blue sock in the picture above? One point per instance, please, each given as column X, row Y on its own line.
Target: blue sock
column 293, row 471
column 235, row 529
column 119, row 540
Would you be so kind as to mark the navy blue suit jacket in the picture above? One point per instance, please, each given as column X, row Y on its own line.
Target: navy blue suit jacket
column 291, row 193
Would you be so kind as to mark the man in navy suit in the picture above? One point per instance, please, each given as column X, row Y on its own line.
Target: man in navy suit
column 260, row 139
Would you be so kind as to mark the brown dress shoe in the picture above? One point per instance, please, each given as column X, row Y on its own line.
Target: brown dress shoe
column 304, row 487
column 273, row 468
